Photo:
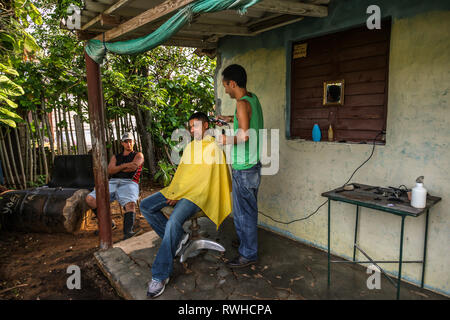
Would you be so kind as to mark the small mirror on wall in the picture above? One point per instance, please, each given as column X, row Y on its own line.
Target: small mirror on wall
column 333, row 92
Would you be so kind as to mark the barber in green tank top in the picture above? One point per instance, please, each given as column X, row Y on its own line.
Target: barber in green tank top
column 247, row 121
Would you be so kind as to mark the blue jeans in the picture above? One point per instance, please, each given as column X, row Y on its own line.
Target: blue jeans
column 170, row 230
column 245, row 209
column 122, row 190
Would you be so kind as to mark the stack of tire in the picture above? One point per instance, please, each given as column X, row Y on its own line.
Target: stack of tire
column 43, row 209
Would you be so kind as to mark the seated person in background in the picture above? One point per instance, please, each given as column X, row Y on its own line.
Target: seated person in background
column 202, row 182
column 125, row 171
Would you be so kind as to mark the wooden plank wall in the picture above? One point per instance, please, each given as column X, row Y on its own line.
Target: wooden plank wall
column 359, row 56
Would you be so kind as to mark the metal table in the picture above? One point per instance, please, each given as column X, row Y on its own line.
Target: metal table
column 380, row 199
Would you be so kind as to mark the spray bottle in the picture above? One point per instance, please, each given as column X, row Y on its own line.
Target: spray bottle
column 419, row 194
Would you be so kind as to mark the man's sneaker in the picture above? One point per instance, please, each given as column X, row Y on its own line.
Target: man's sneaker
column 156, row 288
column 183, row 241
column 240, row 262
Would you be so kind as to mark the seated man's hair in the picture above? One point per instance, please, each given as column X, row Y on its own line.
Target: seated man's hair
column 236, row 73
column 199, row 116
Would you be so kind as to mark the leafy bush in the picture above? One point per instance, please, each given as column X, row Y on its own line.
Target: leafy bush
column 165, row 172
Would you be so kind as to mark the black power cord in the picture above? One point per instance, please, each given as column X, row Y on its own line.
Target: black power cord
column 371, row 154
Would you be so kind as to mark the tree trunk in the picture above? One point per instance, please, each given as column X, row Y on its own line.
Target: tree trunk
column 116, row 141
column 50, row 136
column 108, row 139
column 135, row 136
column 81, row 146
column 61, row 131
column 7, row 164
column 75, row 145
column 143, row 121
column 13, row 159
column 42, row 136
column 66, row 131
column 32, row 152
column 46, row 123
column 122, row 126
column 83, row 135
column 41, row 146
column 110, row 150
column 127, row 127
column 139, row 142
column 20, row 158
column 38, row 136
column 27, row 147
column 58, row 142
column 39, row 154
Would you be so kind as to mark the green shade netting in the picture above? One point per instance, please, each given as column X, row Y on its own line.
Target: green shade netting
column 96, row 49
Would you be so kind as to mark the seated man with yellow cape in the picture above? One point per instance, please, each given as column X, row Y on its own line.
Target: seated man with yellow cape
column 201, row 182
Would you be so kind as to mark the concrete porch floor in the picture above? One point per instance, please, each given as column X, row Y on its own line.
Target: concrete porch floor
column 286, row 270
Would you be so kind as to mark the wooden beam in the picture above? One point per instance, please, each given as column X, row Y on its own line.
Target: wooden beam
column 211, row 53
column 110, row 10
column 85, row 35
column 217, row 29
column 109, row 20
column 95, row 6
column 293, row 8
column 148, row 16
column 191, row 43
column 317, row 1
column 273, row 23
column 213, row 38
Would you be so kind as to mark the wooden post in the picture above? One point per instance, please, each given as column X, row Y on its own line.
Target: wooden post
column 97, row 125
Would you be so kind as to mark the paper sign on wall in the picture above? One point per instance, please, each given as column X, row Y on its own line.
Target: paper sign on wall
column 300, row 50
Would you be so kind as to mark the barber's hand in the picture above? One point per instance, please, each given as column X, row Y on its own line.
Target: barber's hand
column 224, row 118
column 171, row 202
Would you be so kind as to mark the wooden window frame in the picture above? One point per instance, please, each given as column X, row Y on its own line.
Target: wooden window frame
column 366, row 112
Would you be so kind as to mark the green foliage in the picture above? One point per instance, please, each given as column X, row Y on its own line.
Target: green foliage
column 40, row 181
column 165, row 172
column 170, row 83
column 15, row 45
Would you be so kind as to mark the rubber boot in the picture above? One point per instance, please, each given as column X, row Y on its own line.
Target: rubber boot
column 128, row 223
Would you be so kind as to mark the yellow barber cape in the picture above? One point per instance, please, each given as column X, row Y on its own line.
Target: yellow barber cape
column 203, row 178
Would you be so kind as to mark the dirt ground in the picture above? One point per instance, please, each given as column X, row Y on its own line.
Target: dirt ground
column 33, row 266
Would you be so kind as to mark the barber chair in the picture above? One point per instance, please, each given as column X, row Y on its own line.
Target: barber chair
column 197, row 239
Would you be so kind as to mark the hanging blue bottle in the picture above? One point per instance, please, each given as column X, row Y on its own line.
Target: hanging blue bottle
column 316, row 134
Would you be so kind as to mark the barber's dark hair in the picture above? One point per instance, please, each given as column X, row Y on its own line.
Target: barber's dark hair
column 199, row 116
column 236, row 73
